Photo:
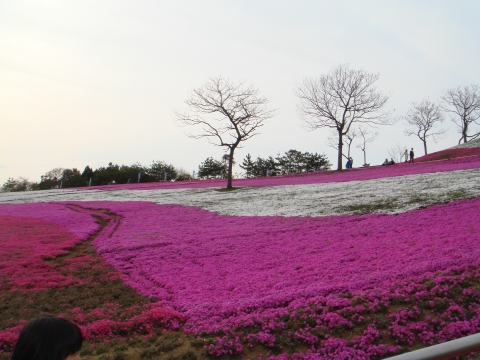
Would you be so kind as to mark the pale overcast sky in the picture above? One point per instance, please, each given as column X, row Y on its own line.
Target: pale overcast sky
column 92, row 82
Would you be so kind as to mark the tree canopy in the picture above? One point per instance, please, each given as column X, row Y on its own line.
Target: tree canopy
column 464, row 104
column 340, row 99
column 422, row 119
column 225, row 113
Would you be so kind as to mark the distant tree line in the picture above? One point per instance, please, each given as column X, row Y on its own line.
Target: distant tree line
column 292, row 162
column 113, row 173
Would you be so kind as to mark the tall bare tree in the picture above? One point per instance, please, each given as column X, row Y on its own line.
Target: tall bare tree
column 332, row 140
column 226, row 113
column 464, row 104
column 366, row 137
column 423, row 117
column 340, row 99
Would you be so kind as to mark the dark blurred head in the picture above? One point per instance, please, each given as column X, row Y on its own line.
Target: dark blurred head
column 48, row 338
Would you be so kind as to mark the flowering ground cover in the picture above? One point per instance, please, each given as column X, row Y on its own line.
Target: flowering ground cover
column 253, row 262
column 356, row 174
column 394, row 270
column 385, row 195
column 25, row 244
column 353, row 300
column 469, row 144
column 450, row 154
column 27, row 240
column 46, row 268
column 78, row 223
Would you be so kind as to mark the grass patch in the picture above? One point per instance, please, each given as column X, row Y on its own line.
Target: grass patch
column 388, row 204
column 457, row 194
column 428, row 199
column 234, row 188
column 419, row 198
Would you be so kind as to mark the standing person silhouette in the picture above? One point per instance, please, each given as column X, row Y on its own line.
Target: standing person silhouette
column 411, row 156
column 48, row 338
column 406, row 155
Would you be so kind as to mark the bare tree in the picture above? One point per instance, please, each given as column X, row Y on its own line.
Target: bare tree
column 226, row 113
column 340, row 99
column 464, row 104
column 332, row 140
column 396, row 152
column 423, row 117
column 366, row 137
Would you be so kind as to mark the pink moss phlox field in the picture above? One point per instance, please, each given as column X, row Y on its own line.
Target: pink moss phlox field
column 32, row 234
column 273, row 281
column 423, row 312
column 450, row 153
column 79, row 223
column 27, row 247
column 212, row 267
column 368, row 173
column 426, row 315
column 9, row 337
column 110, row 321
column 107, row 322
column 25, row 244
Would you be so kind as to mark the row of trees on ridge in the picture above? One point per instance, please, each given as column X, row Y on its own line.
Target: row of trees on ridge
column 292, row 162
column 61, row 178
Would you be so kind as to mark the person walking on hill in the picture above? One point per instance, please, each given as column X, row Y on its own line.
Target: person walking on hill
column 406, row 155
column 411, row 156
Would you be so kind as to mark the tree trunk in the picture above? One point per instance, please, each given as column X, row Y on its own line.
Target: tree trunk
column 230, row 168
column 340, row 150
column 364, row 157
column 425, row 147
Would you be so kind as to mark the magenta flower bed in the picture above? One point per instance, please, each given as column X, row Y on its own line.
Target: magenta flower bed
column 30, row 234
column 78, row 222
column 261, row 280
column 450, row 154
column 25, row 245
column 373, row 172
column 28, row 246
column 212, row 266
